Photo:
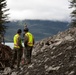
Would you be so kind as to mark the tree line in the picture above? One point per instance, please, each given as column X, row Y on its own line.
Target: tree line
column 73, row 13
column 3, row 16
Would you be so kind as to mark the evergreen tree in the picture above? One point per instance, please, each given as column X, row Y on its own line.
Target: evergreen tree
column 3, row 16
column 73, row 13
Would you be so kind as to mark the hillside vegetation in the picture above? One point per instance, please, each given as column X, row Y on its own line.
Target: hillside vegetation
column 40, row 28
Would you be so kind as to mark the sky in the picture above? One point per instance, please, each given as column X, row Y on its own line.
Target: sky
column 56, row 10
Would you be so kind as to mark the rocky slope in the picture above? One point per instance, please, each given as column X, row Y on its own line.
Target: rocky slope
column 54, row 55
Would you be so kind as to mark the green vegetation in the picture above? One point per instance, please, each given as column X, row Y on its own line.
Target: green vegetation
column 73, row 13
column 3, row 16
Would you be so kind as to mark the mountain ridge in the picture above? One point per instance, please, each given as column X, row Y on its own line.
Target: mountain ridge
column 40, row 28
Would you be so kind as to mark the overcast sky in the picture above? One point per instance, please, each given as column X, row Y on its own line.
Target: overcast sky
column 39, row 9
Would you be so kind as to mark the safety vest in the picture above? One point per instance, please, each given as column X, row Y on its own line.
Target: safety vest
column 30, row 39
column 15, row 40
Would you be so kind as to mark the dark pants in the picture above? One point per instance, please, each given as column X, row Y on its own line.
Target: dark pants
column 28, row 53
column 17, row 55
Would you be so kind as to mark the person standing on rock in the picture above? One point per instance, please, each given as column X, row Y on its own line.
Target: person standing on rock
column 28, row 44
column 17, row 48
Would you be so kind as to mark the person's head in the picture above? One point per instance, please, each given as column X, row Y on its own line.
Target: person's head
column 19, row 31
column 26, row 30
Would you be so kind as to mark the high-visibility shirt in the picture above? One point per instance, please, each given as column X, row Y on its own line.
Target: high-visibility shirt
column 30, row 39
column 16, row 41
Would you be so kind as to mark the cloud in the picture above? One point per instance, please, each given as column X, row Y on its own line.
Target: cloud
column 39, row 9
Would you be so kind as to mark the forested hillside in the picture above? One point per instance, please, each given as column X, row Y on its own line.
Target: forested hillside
column 40, row 28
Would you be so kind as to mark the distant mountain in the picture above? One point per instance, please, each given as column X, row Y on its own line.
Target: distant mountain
column 40, row 28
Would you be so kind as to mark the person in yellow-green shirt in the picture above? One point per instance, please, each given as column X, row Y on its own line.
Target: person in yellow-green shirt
column 17, row 51
column 28, row 45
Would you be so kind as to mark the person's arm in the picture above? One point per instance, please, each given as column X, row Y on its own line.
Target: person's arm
column 25, row 41
column 33, row 41
column 19, row 42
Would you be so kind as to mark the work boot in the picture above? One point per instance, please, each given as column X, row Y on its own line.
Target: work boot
column 27, row 63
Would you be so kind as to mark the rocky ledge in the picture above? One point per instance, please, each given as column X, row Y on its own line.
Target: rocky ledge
column 54, row 55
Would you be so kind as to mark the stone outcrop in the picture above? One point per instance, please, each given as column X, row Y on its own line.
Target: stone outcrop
column 54, row 55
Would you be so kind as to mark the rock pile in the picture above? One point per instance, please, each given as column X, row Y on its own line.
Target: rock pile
column 54, row 55
column 5, row 56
